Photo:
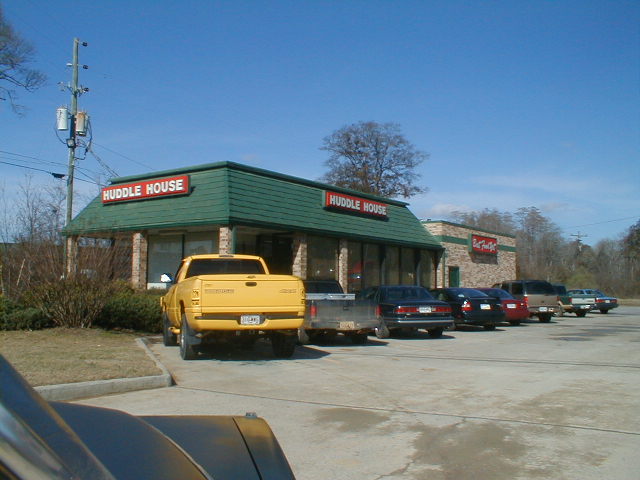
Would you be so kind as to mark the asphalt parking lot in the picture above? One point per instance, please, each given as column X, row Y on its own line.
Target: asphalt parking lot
column 536, row 401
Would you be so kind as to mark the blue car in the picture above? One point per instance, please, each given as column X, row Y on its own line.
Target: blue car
column 604, row 303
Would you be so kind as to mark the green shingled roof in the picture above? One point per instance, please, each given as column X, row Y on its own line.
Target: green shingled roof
column 233, row 194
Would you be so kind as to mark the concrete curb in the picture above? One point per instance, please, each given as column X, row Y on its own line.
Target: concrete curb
column 97, row 388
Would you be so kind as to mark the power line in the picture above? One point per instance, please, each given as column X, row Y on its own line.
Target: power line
column 601, row 223
column 124, row 156
column 54, row 174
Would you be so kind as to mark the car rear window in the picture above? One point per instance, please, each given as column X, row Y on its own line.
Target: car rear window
column 395, row 294
column 214, row 266
column 539, row 288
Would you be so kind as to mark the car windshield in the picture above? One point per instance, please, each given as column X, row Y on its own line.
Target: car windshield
column 540, row 288
column 395, row 294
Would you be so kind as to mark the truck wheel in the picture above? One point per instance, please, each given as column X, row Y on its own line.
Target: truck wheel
column 435, row 332
column 581, row 314
column 359, row 338
column 382, row 331
column 544, row 317
column 303, row 337
column 187, row 350
column 168, row 338
column 283, row 345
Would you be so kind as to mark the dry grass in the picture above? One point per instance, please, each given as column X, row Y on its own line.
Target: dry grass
column 629, row 302
column 69, row 355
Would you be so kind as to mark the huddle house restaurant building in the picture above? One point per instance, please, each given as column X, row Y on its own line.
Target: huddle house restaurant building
column 300, row 227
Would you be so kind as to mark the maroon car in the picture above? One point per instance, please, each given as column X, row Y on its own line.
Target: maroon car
column 515, row 310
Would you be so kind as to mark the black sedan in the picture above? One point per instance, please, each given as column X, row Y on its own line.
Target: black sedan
column 471, row 306
column 60, row 441
column 408, row 307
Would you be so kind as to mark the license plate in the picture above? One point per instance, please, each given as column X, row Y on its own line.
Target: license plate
column 485, row 306
column 347, row 326
column 250, row 320
column 424, row 309
column 511, row 305
column 542, row 309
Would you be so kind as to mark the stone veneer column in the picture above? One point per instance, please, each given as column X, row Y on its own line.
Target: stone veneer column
column 225, row 241
column 299, row 267
column 343, row 263
column 139, row 253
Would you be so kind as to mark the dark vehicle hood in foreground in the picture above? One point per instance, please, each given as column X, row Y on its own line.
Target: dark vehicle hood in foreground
column 62, row 441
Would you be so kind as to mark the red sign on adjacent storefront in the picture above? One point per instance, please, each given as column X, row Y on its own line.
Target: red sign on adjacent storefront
column 128, row 192
column 363, row 206
column 480, row 244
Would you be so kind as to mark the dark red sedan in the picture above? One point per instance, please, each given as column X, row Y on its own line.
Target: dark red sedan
column 515, row 310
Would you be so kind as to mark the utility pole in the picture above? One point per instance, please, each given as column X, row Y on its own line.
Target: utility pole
column 579, row 236
column 72, row 117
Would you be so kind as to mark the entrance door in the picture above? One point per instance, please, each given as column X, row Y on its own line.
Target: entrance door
column 454, row 276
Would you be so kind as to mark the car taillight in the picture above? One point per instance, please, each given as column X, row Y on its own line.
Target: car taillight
column 466, row 306
column 406, row 310
column 599, row 300
column 526, row 300
column 378, row 311
column 313, row 311
column 442, row 309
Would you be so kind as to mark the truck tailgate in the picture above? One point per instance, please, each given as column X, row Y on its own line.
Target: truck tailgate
column 250, row 293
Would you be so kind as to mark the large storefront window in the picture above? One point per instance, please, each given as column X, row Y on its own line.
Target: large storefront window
column 165, row 254
column 425, row 274
column 166, row 251
column 354, row 267
column 200, row 242
column 371, row 274
column 407, row 266
column 322, row 258
column 392, row 265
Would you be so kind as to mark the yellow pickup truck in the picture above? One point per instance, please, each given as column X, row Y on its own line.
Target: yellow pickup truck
column 231, row 297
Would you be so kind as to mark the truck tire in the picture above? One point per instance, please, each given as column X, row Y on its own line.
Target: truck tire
column 544, row 317
column 283, row 345
column 358, row 338
column 382, row 331
column 581, row 313
column 303, row 336
column 435, row 332
column 169, row 339
column 187, row 349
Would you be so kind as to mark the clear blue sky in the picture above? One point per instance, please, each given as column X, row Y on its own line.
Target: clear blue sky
column 518, row 103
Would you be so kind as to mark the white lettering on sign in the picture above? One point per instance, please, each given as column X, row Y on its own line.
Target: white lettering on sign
column 482, row 244
column 146, row 189
column 355, row 204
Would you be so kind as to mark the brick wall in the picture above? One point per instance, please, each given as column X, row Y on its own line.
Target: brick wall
column 476, row 270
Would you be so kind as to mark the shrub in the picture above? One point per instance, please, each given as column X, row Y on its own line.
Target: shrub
column 14, row 316
column 73, row 302
column 131, row 310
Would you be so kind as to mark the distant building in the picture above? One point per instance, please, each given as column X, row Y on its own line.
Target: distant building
column 473, row 257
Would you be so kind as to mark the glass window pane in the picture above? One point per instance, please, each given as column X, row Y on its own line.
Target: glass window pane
column 392, row 265
column 322, row 258
column 165, row 255
column 201, row 242
column 426, row 268
column 355, row 267
column 407, row 266
column 371, row 267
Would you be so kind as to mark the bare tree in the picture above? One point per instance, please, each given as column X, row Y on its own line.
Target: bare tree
column 15, row 53
column 373, row 158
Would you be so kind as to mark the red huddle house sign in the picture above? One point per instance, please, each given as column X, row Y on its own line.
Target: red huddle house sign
column 480, row 244
column 127, row 192
column 348, row 203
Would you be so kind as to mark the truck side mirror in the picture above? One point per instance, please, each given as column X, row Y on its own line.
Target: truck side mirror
column 166, row 278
